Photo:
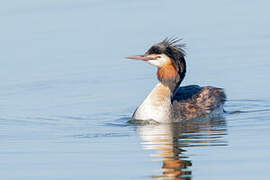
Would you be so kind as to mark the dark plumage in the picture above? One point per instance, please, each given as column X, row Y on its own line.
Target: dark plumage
column 196, row 101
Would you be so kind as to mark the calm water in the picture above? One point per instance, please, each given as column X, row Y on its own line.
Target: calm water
column 67, row 92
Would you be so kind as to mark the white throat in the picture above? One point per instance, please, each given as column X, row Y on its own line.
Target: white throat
column 157, row 105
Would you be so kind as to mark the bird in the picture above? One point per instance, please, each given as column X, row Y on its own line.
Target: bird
column 168, row 101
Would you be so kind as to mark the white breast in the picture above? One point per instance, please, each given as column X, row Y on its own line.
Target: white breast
column 157, row 105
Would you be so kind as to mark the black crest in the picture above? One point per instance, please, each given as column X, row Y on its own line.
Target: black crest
column 173, row 49
column 169, row 46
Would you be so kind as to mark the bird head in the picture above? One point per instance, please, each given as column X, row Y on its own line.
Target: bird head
column 169, row 57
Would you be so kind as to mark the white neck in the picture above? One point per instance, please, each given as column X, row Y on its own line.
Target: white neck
column 157, row 105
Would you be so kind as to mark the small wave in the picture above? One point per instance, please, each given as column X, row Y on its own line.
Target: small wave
column 247, row 106
column 98, row 135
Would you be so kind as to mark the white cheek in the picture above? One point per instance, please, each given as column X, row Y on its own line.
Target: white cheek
column 155, row 63
column 159, row 62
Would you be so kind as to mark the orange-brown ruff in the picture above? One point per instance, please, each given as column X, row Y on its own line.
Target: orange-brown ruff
column 168, row 102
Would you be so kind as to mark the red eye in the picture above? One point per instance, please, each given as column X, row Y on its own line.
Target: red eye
column 158, row 57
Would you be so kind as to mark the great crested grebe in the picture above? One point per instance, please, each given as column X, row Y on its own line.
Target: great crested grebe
column 168, row 102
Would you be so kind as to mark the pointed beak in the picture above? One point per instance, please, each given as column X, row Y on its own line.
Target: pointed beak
column 140, row 57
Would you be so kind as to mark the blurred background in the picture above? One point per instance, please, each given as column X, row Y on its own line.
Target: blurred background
column 66, row 90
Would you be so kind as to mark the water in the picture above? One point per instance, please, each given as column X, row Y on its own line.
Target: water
column 67, row 92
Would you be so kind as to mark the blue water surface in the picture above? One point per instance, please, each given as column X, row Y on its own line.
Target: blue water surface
column 66, row 91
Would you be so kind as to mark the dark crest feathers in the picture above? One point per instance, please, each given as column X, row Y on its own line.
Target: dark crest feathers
column 173, row 49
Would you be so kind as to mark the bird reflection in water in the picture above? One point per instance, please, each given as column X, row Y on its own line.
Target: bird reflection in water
column 170, row 140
